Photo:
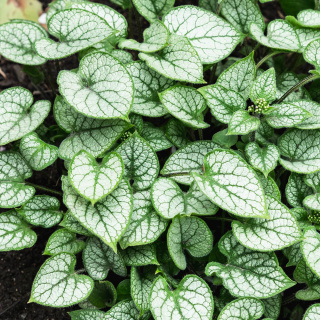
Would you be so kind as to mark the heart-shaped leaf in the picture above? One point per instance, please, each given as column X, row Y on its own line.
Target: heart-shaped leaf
column 17, row 39
column 242, row 123
column 92, row 180
column 152, row 10
column 312, row 312
column 102, row 88
column 15, row 233
column 140, row 256
column 249, row 273
column 264, row 87
column 155, row 136
column 76, row 30
column 17, row 115
column 306, row 18
column 212, row 37
column 181, row 303
column 58, row 285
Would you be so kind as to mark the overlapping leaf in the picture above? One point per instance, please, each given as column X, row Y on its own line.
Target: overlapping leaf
column 264, row 87
column 152, row 10
column 312, row 312
column 140, row 256
column 242, row 123
column 155, row 136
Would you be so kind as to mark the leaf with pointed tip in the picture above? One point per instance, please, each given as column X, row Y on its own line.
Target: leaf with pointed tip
column 177, row 133
column 140, row 161
column 212, row 37
column 300, row 150
column 102, row 88
column 296, row 190
column 124, row 310
column 269, row 186
column 263, row 159
column 17, row 115
column 281, row 35
column 57, row 285
column 152, row 10
column 178, row 61
column 17, row 39
column 239, row 77
column 140, row 256
column 155, row 136
column 92, row 180
column 63, row 240
column 42, row 211
column 86, row 314
column 191, row 234
column 312, row 53
column 145, row 224
column 186, row 104
column 15, row 233
column 303, row 274
column 306, row 18
column 147, row 84
column 71, row 223
column 186, row 160
column 276, row 233
column 92, row 135
column 312, row 122
column 312, row 312
column 272, row 306
column 310, row 247
column 242, row 309
column 155, row 39
column 249, row 273
column 183, row 303
column 36, row 152
column 76, row 30
column 242, row 123
column 223, row 102
column 294, row 254
column 264, row 87
column 98, row 259
column 13, row 171
column 241, row 13
column 108, row 219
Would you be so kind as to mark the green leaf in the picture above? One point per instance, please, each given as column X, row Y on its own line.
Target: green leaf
column 306, row 35
column 15, row 233
column 87, row 314
column 124, row 310
column 269, row 186
column 147, row 84
column 145, row 224
column 13, row 171
column 242, row 309
column 294, row 254
column 152, row 10
column 102, row 88
column 123, row 290
column 285, row 81
column 123, row 56
column 264, row 87
column 18, row 116
column 310, row 247
column 155, row 136
column 213, row 38
column 92, row 135
column 186, row 104
column 108, row 219
column 312, row 202
column 92, row 180
column 98, row 259
column 263, row 159
column 103, row 295
column 312, row 312
column 231, row 184
column 281, row 35
column 57, row 285
column 224, row 140
column 239, row 76
column 312, row 122
column 191, row 234
column 63, row 240
column 300, row 150
column 249, row 273
column 311, row 53
column 222, row 102
column 242, row 123
column 155, row 39
column 296, row 190
column 169, row 200
column 140, row 161
column 177, row 133
column 76, row 30
column 178, row 61
column 302, row 217
column 183, row 303
column 72, row 224
column 306, row 18
column 303, row 274
column 210, row 5
column 42, row 211
column 36, row 152
column 17, row 39
column 276, row 233
column 241, row 13
column 140, row 256
column 125, row 4
column 186, row 160
column 272, row 306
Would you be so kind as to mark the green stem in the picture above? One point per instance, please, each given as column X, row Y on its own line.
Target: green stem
column 200, row 131
column 264, row 59
column 297, row 86
column 58, row 193
column 218, row 218
column 176, row 174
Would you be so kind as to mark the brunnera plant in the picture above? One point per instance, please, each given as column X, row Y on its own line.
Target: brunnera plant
column 191, row 160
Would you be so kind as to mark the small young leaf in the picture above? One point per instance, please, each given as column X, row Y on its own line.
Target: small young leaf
column 152, row 10
column 140, row 256
column 155, row 136
column 57, row 285
column 15, row 234
column 71, row 223
column 124, row 310
column 242, row 123
column 18, row 116
column 186, row 104
column 224, row 140
column 296, row 190
column 155, row 39
column 306, row 18
column 92, row 180
column 212, row 37
column 312, row 312
column 103, row 295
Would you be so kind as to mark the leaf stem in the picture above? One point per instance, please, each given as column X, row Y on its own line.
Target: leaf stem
column 176, row 174
column 218, row 218
column 200, row 131
column 264, row 59
column 298, row 85
column 58, row 193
